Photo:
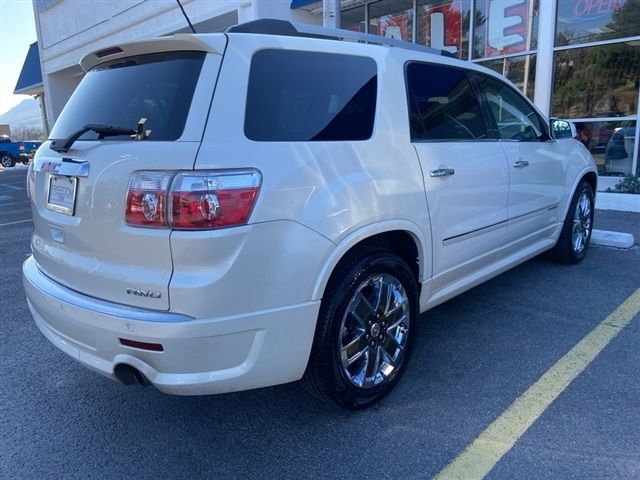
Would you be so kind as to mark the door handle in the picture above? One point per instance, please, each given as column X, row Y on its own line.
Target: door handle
column 521, row 164
column 442, row 172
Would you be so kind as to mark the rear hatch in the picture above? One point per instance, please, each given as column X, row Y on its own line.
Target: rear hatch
column 81, row 238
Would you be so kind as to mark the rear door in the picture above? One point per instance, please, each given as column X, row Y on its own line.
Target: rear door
column 81, row 239
column 465, row 172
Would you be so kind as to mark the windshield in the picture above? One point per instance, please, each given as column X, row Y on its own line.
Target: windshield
column 157, row 86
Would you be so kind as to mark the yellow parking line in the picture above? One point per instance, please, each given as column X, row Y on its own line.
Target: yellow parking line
column 15, row 223
column 485, row 451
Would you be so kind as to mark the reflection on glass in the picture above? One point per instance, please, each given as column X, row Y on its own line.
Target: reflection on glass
column 505, row 27
column 581, row 21
column 520, row 70
column 611, row 144
column 392, row 19
column 353, row 19
column 444, row 24
column 596, row 81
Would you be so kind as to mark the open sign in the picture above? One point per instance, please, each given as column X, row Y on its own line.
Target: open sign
column 587, row 9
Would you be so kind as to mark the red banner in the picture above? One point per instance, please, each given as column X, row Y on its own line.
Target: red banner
column 444, row 27
column 395, row 26
column 507, row 26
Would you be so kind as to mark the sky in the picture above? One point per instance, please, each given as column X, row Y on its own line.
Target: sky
column 17, row 32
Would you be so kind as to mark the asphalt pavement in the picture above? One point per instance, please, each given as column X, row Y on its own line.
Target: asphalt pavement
column 474, row 356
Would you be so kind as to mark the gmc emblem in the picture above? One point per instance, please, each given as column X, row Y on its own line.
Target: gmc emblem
column 49, row 167
column 143, row 293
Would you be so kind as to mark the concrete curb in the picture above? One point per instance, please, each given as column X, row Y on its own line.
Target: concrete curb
column 606, row 238
column 624, row 202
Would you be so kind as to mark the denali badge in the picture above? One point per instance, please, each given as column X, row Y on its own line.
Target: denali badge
column 143, row 293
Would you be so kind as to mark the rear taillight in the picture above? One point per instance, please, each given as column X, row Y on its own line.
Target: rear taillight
column 147, row 198
column 213, row 199
column 192, row 200
column 21, row 147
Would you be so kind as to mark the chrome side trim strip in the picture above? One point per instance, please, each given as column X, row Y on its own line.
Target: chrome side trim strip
column 533, row 213
column 36, row 278
column 474, row 233
column 496, row 226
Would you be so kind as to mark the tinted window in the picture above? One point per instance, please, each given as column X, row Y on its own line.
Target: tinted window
column 515, row 119
column 442, row 104
column 158, row 87
column 309, row 96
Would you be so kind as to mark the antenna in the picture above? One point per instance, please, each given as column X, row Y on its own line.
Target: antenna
column 186, row 17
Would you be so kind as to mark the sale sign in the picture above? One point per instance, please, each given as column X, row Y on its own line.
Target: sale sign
column 444, row 26
column 507, row 26
column 395, row 26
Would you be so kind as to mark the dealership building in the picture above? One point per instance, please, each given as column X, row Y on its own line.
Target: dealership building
column 576, row 59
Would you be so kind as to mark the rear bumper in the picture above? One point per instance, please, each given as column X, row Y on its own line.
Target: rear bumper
column 200, row 356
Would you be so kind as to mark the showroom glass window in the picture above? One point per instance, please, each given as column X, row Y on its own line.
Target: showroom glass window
column 611, row 144
column 597, row 85
column 444, row 24
column 504, row 28
column 596, row 81
column 353, row 19
column 582, row 21
column 520, row 70
column 392, row 19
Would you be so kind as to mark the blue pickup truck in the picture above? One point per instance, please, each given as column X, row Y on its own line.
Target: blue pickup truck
column 16, row 152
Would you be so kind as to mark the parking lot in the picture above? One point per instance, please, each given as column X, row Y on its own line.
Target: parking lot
column 475, row 356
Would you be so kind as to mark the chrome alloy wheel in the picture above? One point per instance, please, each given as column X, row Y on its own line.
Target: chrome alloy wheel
column 374, row 331
column 581, row 223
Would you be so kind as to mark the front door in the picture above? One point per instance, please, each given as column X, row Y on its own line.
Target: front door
column 536, row 164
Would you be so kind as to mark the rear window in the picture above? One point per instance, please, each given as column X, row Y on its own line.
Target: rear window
column 310, row 96
column 158, row 87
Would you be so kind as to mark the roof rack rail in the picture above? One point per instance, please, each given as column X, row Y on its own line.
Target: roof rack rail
column 270, row 26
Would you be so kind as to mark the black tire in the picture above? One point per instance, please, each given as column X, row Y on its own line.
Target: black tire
column 7, row 160
column 565, row 250
column 326, row 376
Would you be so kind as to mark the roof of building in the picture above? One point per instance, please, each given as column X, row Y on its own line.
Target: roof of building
column 30, row 79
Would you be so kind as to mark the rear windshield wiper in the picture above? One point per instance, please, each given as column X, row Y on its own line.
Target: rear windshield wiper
column 62, row 145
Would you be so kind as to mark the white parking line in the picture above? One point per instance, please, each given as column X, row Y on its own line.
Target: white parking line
column 490, row 446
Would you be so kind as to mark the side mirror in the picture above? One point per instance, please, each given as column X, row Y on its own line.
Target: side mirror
column 563, row 128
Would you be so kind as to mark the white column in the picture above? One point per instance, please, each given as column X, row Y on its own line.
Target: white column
column 331, row 13
column 544, row 58
column 636, row 151
column 43, row 114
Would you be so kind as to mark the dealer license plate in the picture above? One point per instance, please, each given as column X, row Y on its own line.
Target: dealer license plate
column 61, row 194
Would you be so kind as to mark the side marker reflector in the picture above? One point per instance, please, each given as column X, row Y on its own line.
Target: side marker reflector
column 154, row 347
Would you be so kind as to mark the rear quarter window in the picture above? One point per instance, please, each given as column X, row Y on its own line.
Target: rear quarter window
column 158, row 87
column 310, row 96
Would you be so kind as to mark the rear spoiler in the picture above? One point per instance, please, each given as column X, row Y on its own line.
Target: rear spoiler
column 212, row 43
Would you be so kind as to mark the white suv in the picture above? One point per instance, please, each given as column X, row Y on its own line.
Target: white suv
column 222, row 212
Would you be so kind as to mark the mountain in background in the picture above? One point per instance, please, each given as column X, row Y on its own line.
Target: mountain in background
column 25, row 114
